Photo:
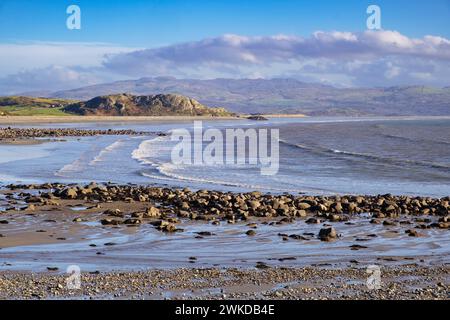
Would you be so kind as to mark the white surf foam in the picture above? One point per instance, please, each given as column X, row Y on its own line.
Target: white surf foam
column 106, row 151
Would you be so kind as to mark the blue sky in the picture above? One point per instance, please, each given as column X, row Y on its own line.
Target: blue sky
column 322, row 41
column 158, row 22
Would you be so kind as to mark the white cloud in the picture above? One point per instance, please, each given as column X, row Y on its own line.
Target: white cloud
column 18, row 57
column 324, row 56
column 370, row 58
column 52, row 78
column 35, row 66
column 239, row 50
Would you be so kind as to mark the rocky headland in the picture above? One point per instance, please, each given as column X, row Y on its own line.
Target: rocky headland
column 150, row 105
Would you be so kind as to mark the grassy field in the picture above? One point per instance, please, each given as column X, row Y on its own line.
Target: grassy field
column 32, row 111
column 26, row 106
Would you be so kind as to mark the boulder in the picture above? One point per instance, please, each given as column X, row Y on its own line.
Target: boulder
column 327, row 234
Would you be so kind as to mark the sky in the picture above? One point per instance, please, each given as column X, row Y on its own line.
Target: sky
column 324, row 41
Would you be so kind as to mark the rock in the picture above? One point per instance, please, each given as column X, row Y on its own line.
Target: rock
column 183, row 214
column 111, row 222
column 137, row 215
column 297, row 237
column 303, row 206
column 70, row 193
column 443, row 225
column 205, row 233
column 379, row 215
column 390, row 208
column 357, row 247
column 254, row 204
column 142, row 198
column 337, row 207
column 185, row 206
column 114, row 213
column 77, row 220
column 313, row 221
column 327, row 234
column 335, row 217
column 52, row 268
column 287, row 259
column 412, row 233
column 250, row 232
column 132, row 221
column 166, row 226
column 353, row 207
column 257, row 118
column 261, row 265
column 152, row 212
column 320, row 208
column 301, row 213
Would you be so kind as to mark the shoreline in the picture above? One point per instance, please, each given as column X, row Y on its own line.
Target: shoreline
column 12, row 120
column 80, row 119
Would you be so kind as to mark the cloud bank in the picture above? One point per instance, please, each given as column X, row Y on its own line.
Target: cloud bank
column 370, row 58
column 49, row 66
column 352, row 59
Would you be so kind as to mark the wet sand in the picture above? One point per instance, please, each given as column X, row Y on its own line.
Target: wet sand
column 26, row 141
column 259, row 257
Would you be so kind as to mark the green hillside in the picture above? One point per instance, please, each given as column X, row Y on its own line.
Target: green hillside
column 27, row 106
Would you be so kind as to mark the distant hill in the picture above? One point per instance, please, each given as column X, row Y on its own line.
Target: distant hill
column 151, row 105
column 283, row 96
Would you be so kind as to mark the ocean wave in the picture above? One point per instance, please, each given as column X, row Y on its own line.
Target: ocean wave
column 107, row 150
column 391, row 136
column 166, row 171
column 148, row 149
column 371, row 157
column 75, row 166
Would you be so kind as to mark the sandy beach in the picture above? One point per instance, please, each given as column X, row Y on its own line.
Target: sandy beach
column 81, row 119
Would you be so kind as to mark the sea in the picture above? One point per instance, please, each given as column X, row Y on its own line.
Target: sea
column 317, row 155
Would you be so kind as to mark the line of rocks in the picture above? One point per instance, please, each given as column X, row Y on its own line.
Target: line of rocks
column 19, row 133
column 204, row 204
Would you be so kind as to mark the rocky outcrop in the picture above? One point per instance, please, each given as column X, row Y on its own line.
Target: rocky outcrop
column 151, row 105
column 257, row 118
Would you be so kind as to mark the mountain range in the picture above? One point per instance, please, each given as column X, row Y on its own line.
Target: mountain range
column 290, row 96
